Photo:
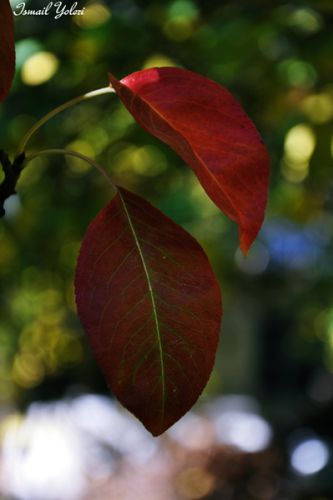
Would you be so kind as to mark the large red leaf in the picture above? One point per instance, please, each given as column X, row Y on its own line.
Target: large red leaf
column 150, row 304
column 7, row 49
column 207, row 127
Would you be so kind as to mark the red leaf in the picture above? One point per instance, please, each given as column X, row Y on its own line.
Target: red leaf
column 7, row 48
column 150, row 304
column 207, row 127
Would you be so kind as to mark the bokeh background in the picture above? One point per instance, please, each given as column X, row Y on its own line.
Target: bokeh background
column 263, row 427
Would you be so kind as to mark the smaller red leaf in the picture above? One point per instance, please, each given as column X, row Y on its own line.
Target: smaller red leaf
column 7, row 48
column 207, row 127
column 150, row 304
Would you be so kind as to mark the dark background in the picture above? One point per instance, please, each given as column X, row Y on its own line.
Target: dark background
column 277, row 335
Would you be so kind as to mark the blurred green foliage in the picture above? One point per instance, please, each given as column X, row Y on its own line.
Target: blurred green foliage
column 277, row 340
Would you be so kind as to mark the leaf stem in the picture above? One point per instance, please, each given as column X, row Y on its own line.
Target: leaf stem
column 75, row 154
column 59, row 109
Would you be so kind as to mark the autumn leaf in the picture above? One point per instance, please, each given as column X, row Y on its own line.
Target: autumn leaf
column 7, row 48
column 207, row 127
column 150, row 304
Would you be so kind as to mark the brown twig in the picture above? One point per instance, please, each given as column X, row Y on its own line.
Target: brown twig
column 12, row 173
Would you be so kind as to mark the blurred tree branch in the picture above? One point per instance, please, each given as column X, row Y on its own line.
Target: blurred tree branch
column 12, row 173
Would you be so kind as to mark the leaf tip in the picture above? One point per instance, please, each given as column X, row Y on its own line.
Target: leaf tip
column 245, row 241
column 156, row 429
column 156, row 433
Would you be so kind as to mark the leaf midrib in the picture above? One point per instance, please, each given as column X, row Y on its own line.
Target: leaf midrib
column 152, row 297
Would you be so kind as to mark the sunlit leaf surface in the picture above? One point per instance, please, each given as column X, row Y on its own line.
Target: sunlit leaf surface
column 207, row 127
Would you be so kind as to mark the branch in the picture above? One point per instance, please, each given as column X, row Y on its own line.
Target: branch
column 12, row 173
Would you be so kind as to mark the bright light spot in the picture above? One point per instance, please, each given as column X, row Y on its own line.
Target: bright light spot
column 104, row 420
column 310, row 456
column 52, row 452
column 94, row 15
column 246, row 431
column 25, row 49
column 306, row 20
column 41, row 458
column 238, row 424
column 12, row 206
column 39, row 68
column 158, row 60
column 193, row 432
column 255, row 262
column 299, row 143
column 318, row 107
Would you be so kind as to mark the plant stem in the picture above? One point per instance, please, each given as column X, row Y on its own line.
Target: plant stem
column 59, row 109
column 75, row 154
